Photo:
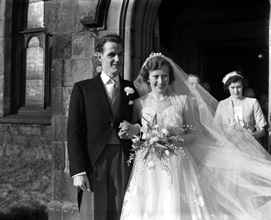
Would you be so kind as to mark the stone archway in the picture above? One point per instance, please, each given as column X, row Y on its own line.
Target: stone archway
column 5, row 51
column 140, row 31
column 269, row 86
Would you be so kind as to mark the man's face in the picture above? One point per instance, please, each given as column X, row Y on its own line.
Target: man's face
column 193, row 80
column 111, row 58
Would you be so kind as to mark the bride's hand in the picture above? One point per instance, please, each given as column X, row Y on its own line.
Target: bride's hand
column 128, row 130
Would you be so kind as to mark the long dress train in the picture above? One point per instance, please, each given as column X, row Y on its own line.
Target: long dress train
column 223, row 176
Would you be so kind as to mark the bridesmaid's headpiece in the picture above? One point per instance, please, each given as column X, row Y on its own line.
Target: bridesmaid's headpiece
column 227, row 76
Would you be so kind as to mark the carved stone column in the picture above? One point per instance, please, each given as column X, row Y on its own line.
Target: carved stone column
column 5, row 51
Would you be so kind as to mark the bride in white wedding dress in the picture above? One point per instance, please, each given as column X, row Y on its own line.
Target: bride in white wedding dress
column 204, row 172
column 160, row 188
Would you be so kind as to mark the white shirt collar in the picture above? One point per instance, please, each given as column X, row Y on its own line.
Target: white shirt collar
column 105, row 78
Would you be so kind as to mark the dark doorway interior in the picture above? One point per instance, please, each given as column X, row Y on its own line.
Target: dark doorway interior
column 212, row 53
column 248, row 56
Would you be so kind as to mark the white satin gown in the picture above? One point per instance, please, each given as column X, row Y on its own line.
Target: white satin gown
column 164, row 189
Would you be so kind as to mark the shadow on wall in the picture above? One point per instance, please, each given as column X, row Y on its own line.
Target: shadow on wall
column 25, row 188
column 26, row 213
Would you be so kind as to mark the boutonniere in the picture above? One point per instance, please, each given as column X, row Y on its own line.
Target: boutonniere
column 129, row 90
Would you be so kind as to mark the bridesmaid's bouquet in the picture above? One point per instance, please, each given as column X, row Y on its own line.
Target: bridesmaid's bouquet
column 159, row 139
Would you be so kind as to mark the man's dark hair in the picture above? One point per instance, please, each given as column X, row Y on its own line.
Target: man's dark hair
column 107, row 38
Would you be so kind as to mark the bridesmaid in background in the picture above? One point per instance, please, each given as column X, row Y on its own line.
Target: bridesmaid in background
column 238, row 109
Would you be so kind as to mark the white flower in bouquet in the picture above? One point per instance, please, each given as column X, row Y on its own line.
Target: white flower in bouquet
column 159, row 140
column 153, row 140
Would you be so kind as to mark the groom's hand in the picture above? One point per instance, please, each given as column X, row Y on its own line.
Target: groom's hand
column 128, row 130
column 123, row 132
column 82, row 182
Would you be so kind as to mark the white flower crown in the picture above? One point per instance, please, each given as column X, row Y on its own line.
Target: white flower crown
column 151, row 56
column 155, row 55
column 227, row 76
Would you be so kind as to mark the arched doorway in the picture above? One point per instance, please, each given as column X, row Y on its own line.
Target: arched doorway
column 208, row 38
column 212, row 38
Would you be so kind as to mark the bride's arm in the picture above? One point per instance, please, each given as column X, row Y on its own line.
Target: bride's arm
column 189, row 121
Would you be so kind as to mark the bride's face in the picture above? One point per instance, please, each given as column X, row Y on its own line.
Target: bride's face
column 159, row 79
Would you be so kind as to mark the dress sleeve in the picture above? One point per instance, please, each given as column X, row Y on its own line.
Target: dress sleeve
column 218, row 114
column 137, row 106
column 260, row 121
column 189, row 120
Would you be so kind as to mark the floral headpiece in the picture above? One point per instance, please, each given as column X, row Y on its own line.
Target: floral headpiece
column 151, row 56
column 227, row 76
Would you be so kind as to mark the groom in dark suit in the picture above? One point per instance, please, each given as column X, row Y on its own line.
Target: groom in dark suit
column 97, row 155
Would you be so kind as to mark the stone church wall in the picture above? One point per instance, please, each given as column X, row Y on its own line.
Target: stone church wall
column 73, row 59
column 23, row 140
column 25, row 176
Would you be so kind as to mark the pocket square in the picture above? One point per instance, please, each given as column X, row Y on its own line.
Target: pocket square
column 131, row 102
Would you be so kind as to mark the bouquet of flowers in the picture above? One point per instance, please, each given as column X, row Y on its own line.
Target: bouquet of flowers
column 159, row 140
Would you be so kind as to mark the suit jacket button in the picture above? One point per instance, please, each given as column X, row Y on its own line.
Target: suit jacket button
column 112, row 124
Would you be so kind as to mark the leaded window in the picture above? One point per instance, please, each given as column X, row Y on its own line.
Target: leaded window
column 32, row 49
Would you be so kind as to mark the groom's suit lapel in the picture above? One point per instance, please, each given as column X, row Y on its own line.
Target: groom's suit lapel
column 123, row 98
column 100, row 95
column 102, row 99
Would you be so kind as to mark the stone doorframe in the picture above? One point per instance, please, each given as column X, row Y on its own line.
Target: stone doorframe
column 269, row 83
column 139, row 27
column 5, row 51
column 140, row 30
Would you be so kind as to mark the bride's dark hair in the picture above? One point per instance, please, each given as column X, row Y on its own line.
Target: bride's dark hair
column 155, row 63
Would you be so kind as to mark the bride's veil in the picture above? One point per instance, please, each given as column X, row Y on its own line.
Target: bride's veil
column 233, row 168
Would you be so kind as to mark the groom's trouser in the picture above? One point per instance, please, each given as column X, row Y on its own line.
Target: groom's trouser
column 110, row 178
